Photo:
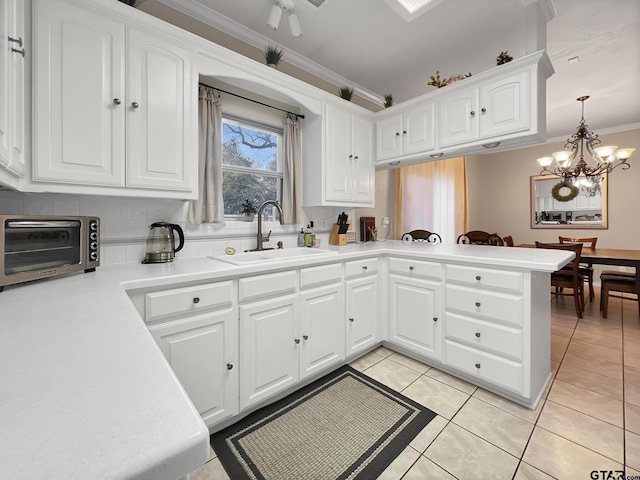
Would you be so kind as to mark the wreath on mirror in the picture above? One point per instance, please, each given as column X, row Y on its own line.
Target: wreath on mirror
column 564, row 192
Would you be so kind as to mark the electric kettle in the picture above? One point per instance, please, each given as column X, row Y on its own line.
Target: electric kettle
column 161, row 245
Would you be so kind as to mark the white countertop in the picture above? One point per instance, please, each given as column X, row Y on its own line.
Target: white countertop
column 85, row 391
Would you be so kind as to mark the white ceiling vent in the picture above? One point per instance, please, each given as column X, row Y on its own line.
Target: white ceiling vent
column 316, row 3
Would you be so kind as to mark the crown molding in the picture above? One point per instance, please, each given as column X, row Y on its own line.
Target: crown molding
column 200, row 12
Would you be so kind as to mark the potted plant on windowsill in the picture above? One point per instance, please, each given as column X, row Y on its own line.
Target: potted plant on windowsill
column 248, row 210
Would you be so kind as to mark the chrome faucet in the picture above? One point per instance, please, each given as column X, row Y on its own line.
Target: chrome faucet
column 261, row 238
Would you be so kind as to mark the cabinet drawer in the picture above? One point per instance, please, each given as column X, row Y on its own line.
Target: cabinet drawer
column 485, row 366
column 498, row 339
column 358, row 268
column 187, row 300
column 485, row 278
column 417, row 268
column 494, row 305
column 315, row 276
column 261, row 286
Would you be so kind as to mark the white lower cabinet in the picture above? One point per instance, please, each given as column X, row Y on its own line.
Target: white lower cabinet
column 362, row 308
column 196, row 329
column 269, row 348
column 202, row 352
column 414, row 321
column 322, row 329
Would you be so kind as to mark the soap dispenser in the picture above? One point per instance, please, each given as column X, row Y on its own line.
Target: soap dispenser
column 301, row 238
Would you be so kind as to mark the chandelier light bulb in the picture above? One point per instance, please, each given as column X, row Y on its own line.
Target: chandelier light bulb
column 545, row 161
column 623, row 154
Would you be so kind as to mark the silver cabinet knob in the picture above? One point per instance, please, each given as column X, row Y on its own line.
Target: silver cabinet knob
column 478, row 334
column 196, row 299
column 472, row 113
column 478, row 366
column 350, row 156
column 306, row 337
column 134, row 105
column 297, row 340
column 117, row 101
column 356, row 157
column 229, row 366
column 411, row 268
column 478, row 277
column 435, row 319
column 404, row 132
column 397, row 134
column 364, row 268
column 477, row 304
column 483, row 110
column 352, row 320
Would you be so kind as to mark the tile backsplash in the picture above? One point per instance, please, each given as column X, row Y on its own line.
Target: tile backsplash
column 125, row 223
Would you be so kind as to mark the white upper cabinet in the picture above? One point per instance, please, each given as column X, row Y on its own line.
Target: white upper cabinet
column 493, row 108
column 14, row 43
column 498, row 109
column 348, row 162
column 115, row 105
column 411, row 131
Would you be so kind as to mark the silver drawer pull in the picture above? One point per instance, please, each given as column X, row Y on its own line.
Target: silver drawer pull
column 478, row 366
column 478, row 277
column 229, row 366
column 477, row 304
column 364, row 268
column 352, row 320
column 196, row 299
column 478, row 334
column 297, row 340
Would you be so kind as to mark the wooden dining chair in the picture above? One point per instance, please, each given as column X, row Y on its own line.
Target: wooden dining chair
column 586, row 269
column 614, row 281
column 478, row 237
column 422, row 236
column 508, row 241
column 569, row 276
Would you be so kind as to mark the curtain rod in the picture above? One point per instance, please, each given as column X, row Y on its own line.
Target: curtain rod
column 251, row 100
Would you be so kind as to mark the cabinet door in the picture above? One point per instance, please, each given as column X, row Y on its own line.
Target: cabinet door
column 79, row 95
column 269, row 353
column 505, row 105
column 419, row 128
column 458, row 117
column 415, row 310
column 322, row 329
column 160, row 105
column 362, row 168
column 202, row 351
column 388, row 137
column 12, row 86
column 362, row 314
column 338, row 165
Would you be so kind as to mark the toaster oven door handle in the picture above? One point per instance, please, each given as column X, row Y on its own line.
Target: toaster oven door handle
column 41, row 224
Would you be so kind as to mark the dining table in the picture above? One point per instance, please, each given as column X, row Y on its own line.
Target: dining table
column 607, row 256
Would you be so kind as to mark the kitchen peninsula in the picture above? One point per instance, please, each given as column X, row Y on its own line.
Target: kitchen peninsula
column 87, row 393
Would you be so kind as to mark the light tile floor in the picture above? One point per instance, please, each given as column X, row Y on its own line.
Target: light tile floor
column 588, row 420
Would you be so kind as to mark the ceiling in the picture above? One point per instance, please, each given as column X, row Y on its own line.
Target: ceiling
column 366, row 44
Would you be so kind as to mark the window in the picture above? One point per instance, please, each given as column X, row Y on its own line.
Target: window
column 251, row 165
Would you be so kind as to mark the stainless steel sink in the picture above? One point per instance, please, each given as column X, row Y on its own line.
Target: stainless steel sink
column 263, row 256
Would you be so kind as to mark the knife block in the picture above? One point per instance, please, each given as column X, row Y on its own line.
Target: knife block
column 336, row 238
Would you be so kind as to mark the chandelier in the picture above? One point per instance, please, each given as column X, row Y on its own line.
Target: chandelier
column 605, row 159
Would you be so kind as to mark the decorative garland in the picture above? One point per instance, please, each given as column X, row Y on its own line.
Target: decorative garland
column 573, row 192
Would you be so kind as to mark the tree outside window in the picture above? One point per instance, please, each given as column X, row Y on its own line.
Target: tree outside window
column 251, row 167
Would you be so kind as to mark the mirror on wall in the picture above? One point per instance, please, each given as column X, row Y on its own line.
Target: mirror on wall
column 569, row 203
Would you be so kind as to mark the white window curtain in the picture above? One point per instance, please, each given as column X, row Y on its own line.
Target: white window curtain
column 292, row 172
column 432, row 196
column 209, row 207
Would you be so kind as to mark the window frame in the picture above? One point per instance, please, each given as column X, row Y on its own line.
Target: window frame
column 278, row 174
